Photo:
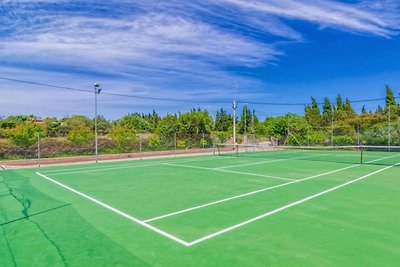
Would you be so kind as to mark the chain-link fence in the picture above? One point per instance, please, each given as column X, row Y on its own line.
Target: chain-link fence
column 137, row 145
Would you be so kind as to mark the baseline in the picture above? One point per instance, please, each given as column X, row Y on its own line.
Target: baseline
column 123, row 214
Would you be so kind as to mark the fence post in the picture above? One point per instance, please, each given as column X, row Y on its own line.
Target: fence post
column 175, row 143
column 140, row 145
column 38, row 148
column 202, row 142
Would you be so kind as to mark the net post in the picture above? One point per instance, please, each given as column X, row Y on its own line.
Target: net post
column 361, row 154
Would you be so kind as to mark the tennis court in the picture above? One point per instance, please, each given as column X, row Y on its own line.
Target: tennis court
column 303, row 207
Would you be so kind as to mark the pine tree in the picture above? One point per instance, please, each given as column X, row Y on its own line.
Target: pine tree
column 390, row 99
column 339, row 103
column 348, row 108
column 339, row 109
column 313, row 113
column 245, row 120
column 327, row 111
column 363, row 110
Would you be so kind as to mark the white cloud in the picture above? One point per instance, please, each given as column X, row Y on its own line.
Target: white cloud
column 348, row 17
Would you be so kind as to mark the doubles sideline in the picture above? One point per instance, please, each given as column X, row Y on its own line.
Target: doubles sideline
column 259, row 191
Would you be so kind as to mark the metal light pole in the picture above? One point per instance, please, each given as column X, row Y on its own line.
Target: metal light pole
column 234, row 121
column 97, row 91
column 389, row 134
column 332, row 126
column 245, row 120
column 252, row 122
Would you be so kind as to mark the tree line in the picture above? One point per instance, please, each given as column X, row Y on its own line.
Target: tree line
column 330, row 123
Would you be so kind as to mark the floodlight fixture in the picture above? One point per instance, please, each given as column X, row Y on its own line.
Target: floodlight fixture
column 97, row 91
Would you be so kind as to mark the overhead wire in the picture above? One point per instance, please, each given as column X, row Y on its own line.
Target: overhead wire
column 180, row 100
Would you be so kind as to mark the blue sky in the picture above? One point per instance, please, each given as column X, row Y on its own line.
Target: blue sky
column 248, row 50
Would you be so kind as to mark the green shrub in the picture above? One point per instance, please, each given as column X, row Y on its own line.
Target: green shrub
column 181, row 144
column 154, row 141
column 343, row 140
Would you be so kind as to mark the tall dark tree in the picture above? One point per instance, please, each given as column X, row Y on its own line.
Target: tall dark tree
column 390, row 102
column 245, row 120
column 223, row 121
column 327, row 111
column 339, row 111
column 379, row 110
column 313, row 113
column 390, row 99
column 363, row 110
column 339, row 103
column 348, row 109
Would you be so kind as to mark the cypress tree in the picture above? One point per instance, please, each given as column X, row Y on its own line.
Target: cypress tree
column 348, row 108
column 327, row 111
column 390, row 100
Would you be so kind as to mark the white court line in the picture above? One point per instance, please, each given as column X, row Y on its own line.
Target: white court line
column 219, row 170
column 259, row 191
column 285, row 207
column 125, row 166
column 270, row 161
column 246, row 194
column 180, row 241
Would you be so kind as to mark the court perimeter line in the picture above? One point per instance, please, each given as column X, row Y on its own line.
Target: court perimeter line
column 216, row 169
column 258, row 191
column 176, row 239
column 286, row 207
column 270, row 161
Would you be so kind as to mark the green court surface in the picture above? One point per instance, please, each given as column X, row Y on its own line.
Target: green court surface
column 276, row 208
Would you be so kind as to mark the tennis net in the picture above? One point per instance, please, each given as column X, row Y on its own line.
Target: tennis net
column 376, row 155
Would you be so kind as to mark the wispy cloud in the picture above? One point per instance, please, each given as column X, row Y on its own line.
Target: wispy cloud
column 185, row 49
column 364, row 17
